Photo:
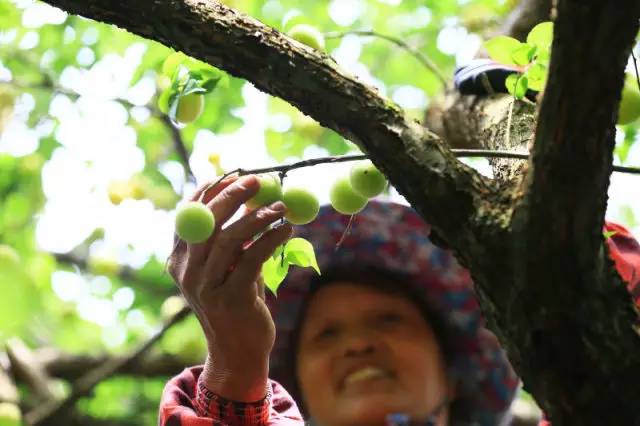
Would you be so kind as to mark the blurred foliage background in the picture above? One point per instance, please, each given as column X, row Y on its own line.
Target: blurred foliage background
column 90, row 174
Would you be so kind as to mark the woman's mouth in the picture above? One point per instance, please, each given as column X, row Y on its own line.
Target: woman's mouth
column 366, row 373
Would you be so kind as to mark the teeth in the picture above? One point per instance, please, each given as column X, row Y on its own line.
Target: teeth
column 365, row 373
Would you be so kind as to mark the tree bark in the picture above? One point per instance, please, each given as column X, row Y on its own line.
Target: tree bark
column 534, row 246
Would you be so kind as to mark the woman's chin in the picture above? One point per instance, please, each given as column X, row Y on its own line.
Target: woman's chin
column 371, row 409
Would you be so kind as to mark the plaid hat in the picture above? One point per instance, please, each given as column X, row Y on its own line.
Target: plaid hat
column 395, row 238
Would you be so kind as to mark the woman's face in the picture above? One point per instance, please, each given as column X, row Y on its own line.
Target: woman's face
column 363, row 354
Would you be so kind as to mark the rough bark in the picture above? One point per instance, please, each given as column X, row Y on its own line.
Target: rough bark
column 543, row 279
column 526, row 15
column 568, row 180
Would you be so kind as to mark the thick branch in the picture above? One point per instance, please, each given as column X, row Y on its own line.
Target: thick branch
column 569, row 287
column 525, row 16
column 72, row 367
column 53, row 410
column 445, row 191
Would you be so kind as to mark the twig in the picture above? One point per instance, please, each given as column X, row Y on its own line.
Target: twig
column 428, row 63
column 346, row 231
column 635, row 66
column 469, row 153
column 179, row 145
column 84, row 385
column 509, row 118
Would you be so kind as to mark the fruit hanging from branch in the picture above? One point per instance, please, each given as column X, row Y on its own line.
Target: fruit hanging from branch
column 302, row 206
column 270, row 191
column 344, row 199
column 307, row 34
column 194, row 222
column 366, row 179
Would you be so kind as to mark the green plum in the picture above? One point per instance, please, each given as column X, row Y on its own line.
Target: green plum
column 10, row 414
column 270, row 191
column 171, row 306
column 366, row 179
column 9, row 257
column 194, row 222
column 308, row 35
column 344, row 199
column 302, row 206
column 189, row 108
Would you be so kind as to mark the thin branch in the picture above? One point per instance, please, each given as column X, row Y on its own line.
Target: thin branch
column 635, row 66
column 179, row 145
column 71, row 367
column 461, row 153
column 525, row 16
column 424, row 59
column 48, row 412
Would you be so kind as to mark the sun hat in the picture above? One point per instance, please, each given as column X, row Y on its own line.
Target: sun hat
column 394, row 237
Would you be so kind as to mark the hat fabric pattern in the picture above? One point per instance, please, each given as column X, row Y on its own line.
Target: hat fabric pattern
column 394, row 237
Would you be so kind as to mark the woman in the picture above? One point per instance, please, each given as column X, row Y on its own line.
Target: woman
column 389, row 333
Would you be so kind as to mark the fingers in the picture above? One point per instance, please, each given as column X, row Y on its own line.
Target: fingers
column 224, row 205
column 229, row 243
column 229, row 200
column 248, row 266
column 212, row 191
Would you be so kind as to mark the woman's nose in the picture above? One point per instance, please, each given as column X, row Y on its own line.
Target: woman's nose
column 360, row 343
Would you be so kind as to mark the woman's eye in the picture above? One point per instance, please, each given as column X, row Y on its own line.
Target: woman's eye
column 389, row 318
column 326, row 333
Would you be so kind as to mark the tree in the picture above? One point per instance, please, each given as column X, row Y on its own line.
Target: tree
column 532, row 238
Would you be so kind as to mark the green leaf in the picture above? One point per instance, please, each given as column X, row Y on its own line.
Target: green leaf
column 541, row 35
column 170, row 65
column 278, row 252
column 274, row 272
column 609, row 234
column 299, row 251
column 536, row 76
column 517, row 85
column 543, row 56
column 524, row 54
column 501, row 48
column 163, row 101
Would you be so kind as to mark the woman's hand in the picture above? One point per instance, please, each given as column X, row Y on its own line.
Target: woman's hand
column 220, row 279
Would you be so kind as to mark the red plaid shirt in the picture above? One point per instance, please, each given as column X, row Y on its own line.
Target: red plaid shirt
column 187, row 402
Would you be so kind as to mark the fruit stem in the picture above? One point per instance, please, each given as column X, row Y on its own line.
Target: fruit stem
column 345, row 233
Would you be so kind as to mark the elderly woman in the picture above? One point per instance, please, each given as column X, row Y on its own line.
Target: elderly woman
column 389, row 334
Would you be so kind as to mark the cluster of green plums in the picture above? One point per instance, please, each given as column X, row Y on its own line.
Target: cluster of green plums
column 348, row 195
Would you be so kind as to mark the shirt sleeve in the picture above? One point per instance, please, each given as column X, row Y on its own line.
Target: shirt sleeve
column 186, row 401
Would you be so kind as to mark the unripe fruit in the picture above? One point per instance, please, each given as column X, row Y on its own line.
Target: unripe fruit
column 194, row 222
column 171, row 306
column 162, row 197
column 103, row 265
column 367, row 180
column 118, row 191
column 189, row 108
column 9, row 257
column 344, row 199
column 308, row 35
column 629, row 109
column 270, row 191
column 302, row 206
column 10, row 414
